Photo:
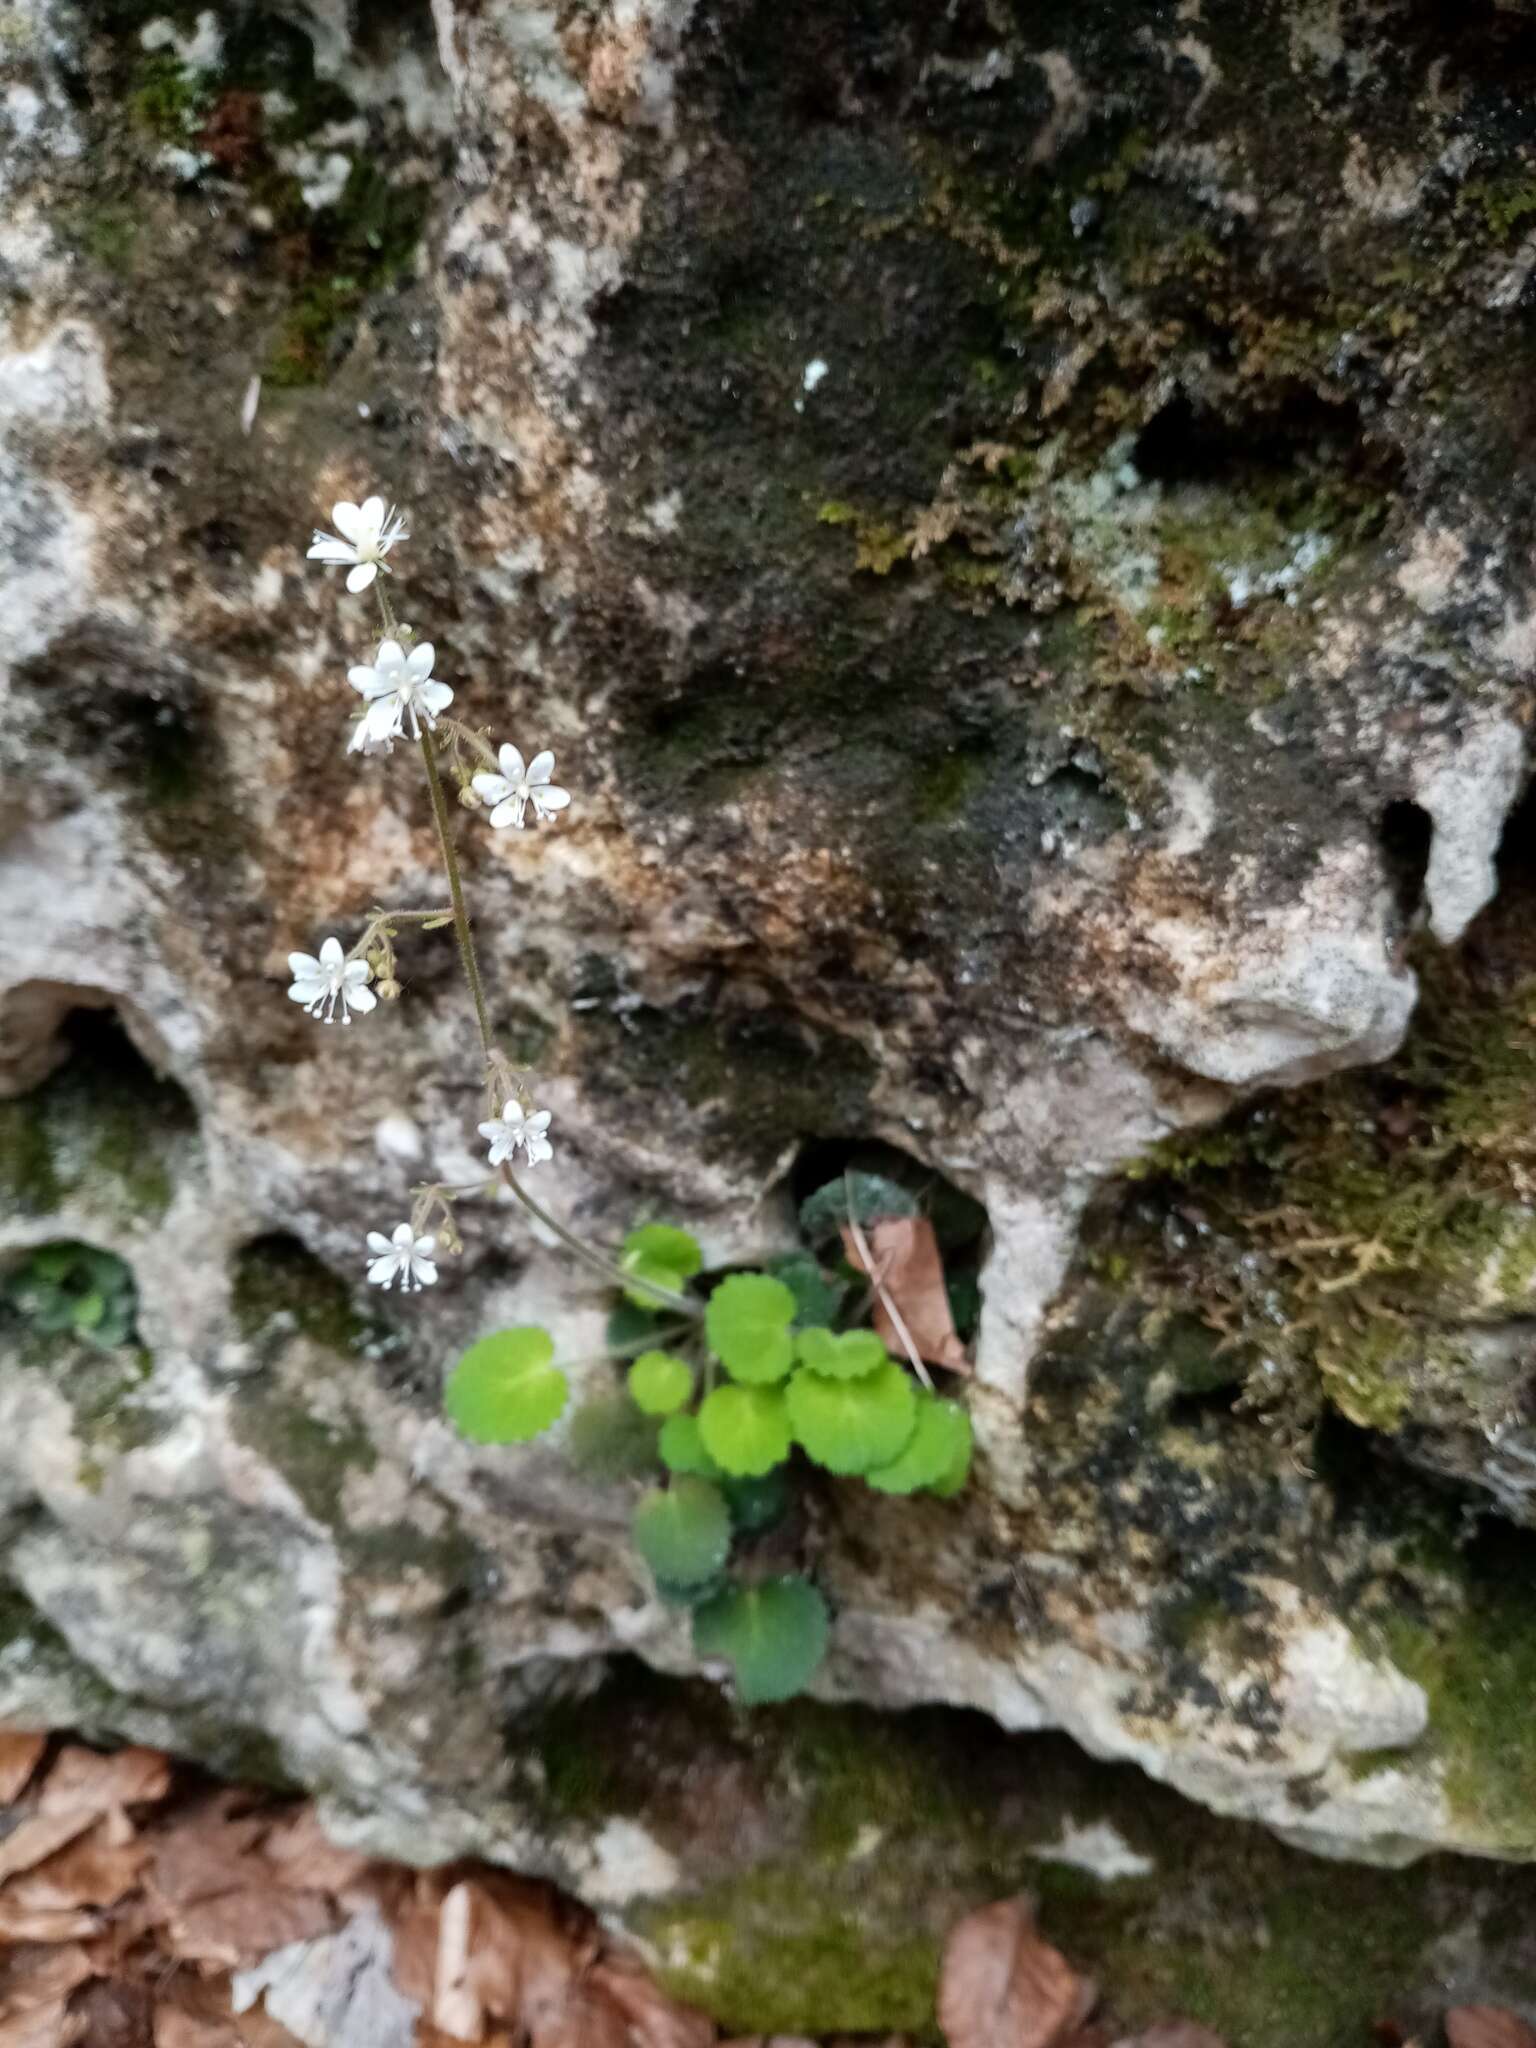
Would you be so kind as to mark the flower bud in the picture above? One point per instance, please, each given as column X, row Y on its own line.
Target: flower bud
column 388, row 990
column 469, row 799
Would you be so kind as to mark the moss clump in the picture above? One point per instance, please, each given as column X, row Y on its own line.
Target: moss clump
column 1474, row 1652
column 276, row 1281
column 169, row 101
column 1367, row 1210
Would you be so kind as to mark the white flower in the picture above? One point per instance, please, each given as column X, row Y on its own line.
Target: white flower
column 512, row 1132
column 368, row 532
column 331, row 984
column 516, row 787
column 399, row 685
column 404, row 1257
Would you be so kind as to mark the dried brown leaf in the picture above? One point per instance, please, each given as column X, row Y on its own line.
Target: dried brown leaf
column 905, row 1256
column 113, row 2015
column 45, row 1923
column 302, row 1854
column 20, row 1754
column 43, row 2026
column 240, row 1927
column 197, row 2012
column 1487, row 2026
column 37, row 1837
column 1002, row 1986
column 205, row 1852
column 38, row 1976
column 501, row 1955
column 651, row 2018
column 82, row 1778
column 92, row 1870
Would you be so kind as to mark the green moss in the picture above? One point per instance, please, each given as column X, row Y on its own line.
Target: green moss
column 1475, row 1656
column 277, row 1281
column 1375, row 1207
column 769, row 1959
column 105, row 1137
column 169, row 101
column 313, row 1453
column 1505, row 203
column 356, row 248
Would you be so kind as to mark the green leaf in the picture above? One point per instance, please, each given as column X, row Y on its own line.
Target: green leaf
column 630, row 1327
column 958, row 1469
column 659, row 1383
column 610, row 1439
column 661, row 1245
column 682, row 1448
column 848, row 1357
column 964, row 1291
column 853, row 1425
column 942, row 1434
column 747, row 1323
column 817, row 1297
column 684, row 1533
column 774, row 1636
column 870, row 1195
column 504, row 1389
column 689, row 1596
column 53, row 1261
column 89, row 1310
column 665, row 1257
column 756, row 1504
column 745, row 1429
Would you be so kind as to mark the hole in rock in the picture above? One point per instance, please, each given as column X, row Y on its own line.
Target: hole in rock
column 1406, row 832
column 1500, row 946
column 1489, row 43
column 1186, row 442
column 818, row 1185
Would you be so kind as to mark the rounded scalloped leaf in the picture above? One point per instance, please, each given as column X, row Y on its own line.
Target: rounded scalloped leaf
column 818, row 1297
column 747, row 1323
column 684, row 1533
column 959, row 1468
column 848, row 1357
column 682, row 1448
column 665, row 1257
column 941, row 1437
column 852, row 1425
column 774, row 1636
column 756, row 1504
column 660, row 1384
column 869, row 1195
column 745, row 1430
column 504, row 1390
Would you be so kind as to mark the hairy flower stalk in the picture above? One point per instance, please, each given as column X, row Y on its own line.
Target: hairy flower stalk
column 402, row 697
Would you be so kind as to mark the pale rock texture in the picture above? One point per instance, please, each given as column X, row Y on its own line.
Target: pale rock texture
column 1013, row 527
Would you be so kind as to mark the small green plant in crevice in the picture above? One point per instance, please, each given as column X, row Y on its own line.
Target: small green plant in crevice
column 75, row 1290
column 737, row 1382
column 725, row 1418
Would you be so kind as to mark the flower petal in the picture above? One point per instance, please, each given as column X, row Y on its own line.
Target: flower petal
column 306, row 992
column 402, row 1236
column 425, row 1247
column 382, row 1271
column 362, row 576
column 377, row 1241
column 509, row 813
column 435, row 697
column 327, row 548
column 540, row 1121
column 361, row 999
column 541, row 767
column 391, row 656
column 425, row 1273
column 371, row 516
column 355, row 973
column 511, row 764
column 418, row 664
column 331, row 955
column 368, row 680
column 301, row 964
column 346, row 518
column 491, row 787
column 551, row 797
